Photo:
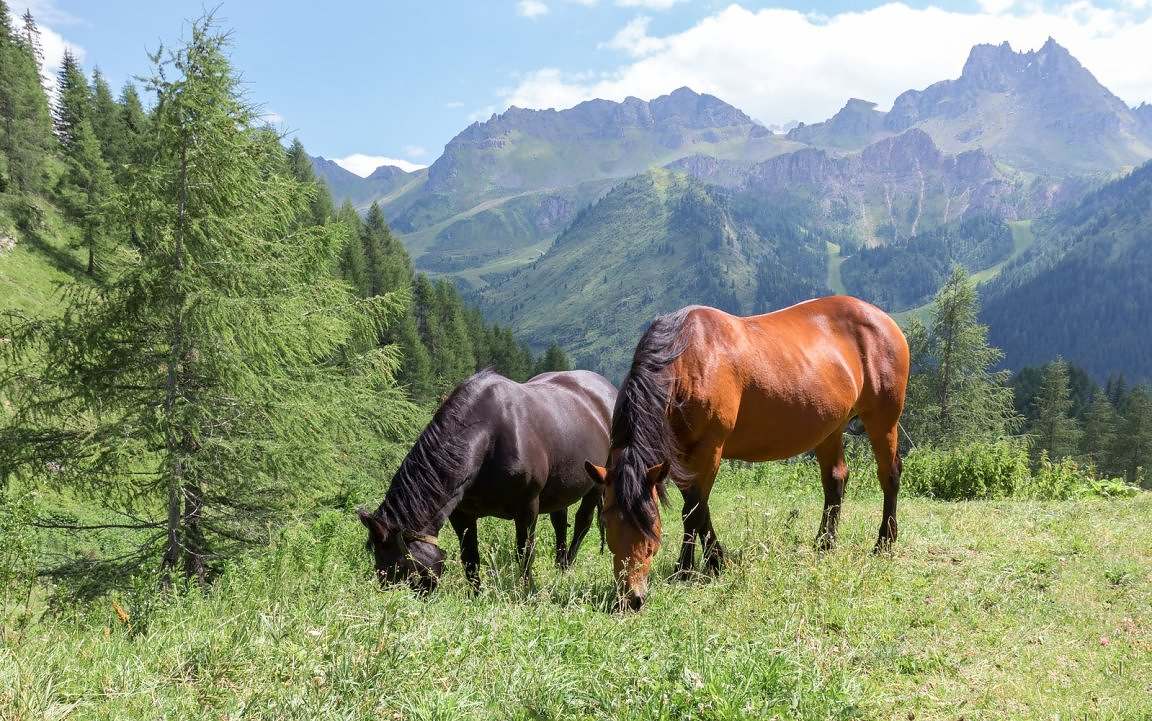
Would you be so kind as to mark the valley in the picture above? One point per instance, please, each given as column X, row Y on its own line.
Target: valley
column 874, row 203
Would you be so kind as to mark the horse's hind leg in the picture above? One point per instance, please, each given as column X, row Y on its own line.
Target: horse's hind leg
column 833, row 476
column 884, row 435
column 560, row 525
column 465, row 527
column 584, row 516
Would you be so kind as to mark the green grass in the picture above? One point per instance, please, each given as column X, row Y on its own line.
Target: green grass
column 835, row 260
column 986, row 610
column 31, row 273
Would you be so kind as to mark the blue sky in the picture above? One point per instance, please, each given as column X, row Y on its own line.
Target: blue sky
column 397, row 79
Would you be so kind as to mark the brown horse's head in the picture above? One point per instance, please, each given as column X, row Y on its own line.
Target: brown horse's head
column 631, row 523
column 401, row 556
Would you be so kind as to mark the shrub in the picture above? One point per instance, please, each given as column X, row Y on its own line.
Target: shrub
column 975, row 471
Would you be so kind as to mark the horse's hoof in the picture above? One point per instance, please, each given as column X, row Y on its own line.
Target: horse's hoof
column 825, row 543
column 883, row 547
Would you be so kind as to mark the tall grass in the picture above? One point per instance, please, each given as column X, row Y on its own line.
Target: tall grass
column 993, row 609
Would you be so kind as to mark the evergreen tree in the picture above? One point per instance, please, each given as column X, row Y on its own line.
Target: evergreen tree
column 74, row 104
column 1099, row 433
column 953, row 394
column 199, row 394
column 321, row 207
column 1132, row 444
column 554, row 359
column 1053, row 429
column 25, row 122
column 353, row 264
column 105, row 114
column 84, row 189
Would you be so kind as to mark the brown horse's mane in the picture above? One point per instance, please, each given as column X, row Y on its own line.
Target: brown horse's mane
column 641, row 433
column 439, row 461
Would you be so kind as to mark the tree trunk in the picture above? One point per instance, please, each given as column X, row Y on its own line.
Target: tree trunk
column 175, row 442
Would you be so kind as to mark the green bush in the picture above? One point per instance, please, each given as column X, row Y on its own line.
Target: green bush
column 974, row 471
column 1057, row 480
column 1000, row 470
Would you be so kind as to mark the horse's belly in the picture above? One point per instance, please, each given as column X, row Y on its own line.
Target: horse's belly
column 768, row 432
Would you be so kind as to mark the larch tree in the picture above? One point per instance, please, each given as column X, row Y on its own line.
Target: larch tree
column 954, row 396
column 208, row 393
column 1099, row 435
column 1054, row 432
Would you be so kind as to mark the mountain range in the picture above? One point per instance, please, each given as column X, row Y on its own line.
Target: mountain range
column 577, row 226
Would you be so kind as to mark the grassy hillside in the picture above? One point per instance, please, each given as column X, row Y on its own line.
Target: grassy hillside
column 653, row 244
column 1090, row 266
column 33, row 271
column 987, row 610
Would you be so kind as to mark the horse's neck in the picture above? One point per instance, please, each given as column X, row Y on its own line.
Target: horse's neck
column 429, row 518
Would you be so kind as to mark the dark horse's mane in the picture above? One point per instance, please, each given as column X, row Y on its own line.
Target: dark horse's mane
column 641, row 432
column 432, row 471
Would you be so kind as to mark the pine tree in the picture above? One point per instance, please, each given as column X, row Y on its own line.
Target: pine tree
column 207, row 391
column 321, row 208
column 1132, row 444
column 25, row 121
column 353, row 264
column 1053, row 429
column 105, row 114
column 1099, row 433
column 74, row 104
column 953, row 395
column 554, row 359
column 84, row 189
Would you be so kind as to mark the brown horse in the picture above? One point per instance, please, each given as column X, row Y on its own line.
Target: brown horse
column 705, row 385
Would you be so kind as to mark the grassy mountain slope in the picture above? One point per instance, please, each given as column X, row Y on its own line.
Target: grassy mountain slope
column 1083, row 289
column 654, row 243
column 32, row 272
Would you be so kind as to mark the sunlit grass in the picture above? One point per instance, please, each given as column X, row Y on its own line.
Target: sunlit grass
column 986, row 610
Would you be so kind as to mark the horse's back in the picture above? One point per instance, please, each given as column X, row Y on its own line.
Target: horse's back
column 778, row 383
column 546, row 428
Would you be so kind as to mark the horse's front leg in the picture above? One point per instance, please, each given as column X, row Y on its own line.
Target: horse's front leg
column 465, row 527
column 526, row 540
column 584, row 516
column 691, row 516
column 560, row 526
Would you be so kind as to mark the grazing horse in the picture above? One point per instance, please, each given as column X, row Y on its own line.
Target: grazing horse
column 705, row 385
column 494, row 448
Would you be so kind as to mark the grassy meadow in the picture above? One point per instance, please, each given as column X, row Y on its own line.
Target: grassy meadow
column 986, row 610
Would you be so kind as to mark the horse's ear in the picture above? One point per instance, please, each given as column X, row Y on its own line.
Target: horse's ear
column 657, row 474
column 598, row 474
column 372, row 523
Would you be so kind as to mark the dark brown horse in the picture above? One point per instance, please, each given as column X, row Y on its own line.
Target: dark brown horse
column 494, row 448
column 705, row 385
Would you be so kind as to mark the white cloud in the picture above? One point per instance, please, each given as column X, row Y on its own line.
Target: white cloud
column 453, row 104
column 531, row 8
column 649, row 4
column 363, row 165
column 780, row 64
column 415, row 151
column 272, row 118
column 634, row 39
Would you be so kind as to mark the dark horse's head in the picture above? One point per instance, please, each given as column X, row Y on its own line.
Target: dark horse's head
column 402, row 556
column 644, row 452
